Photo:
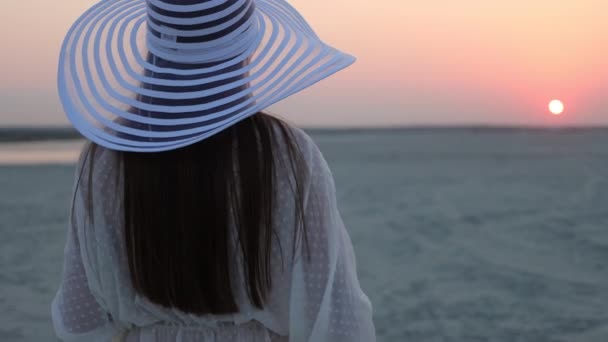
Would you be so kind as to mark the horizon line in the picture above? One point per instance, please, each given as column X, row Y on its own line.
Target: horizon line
column 20, row 134
column 27, row 127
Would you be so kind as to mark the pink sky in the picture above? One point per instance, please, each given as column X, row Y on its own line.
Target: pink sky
column 419, row 62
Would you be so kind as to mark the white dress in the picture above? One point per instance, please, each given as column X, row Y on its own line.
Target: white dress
column 317, row 299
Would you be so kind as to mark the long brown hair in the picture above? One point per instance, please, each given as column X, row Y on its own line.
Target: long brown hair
column 179, row 205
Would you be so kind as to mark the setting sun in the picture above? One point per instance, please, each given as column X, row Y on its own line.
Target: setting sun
column 556, row 107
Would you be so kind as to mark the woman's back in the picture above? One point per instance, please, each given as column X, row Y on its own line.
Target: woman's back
column 196, row 217
column 315, row 294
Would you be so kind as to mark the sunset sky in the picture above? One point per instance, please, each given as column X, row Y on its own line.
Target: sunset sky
column 419, row 62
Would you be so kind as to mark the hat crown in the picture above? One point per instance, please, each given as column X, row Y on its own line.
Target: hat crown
column 191, row 31
column 194, row 8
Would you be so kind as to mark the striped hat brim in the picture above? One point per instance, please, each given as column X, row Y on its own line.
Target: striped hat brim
column 134, row 77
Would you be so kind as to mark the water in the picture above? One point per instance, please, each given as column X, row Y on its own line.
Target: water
column 460, row 235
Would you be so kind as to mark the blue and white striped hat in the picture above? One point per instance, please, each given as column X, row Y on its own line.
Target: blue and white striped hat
column 156, row 75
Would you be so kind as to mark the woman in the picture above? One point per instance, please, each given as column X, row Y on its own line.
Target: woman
column 195, row 216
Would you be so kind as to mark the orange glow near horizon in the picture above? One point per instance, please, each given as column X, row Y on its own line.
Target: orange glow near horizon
column 424, row 62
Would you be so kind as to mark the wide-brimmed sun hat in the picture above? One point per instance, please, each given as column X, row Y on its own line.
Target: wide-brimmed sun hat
column 156, row 75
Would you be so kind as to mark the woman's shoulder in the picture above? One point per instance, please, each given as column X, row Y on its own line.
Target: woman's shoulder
column 305, row 144
column 97, row 155
column 311, row 165
column 97, row 167
column 281, row 125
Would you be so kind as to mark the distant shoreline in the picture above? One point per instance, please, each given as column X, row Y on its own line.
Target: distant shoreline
column 32, row 134
column 27, row 134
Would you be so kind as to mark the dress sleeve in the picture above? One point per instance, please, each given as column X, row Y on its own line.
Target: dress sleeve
column 327, row 303
column 76, row 314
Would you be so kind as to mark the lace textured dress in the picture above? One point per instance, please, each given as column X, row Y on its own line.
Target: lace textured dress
column 313, row 299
